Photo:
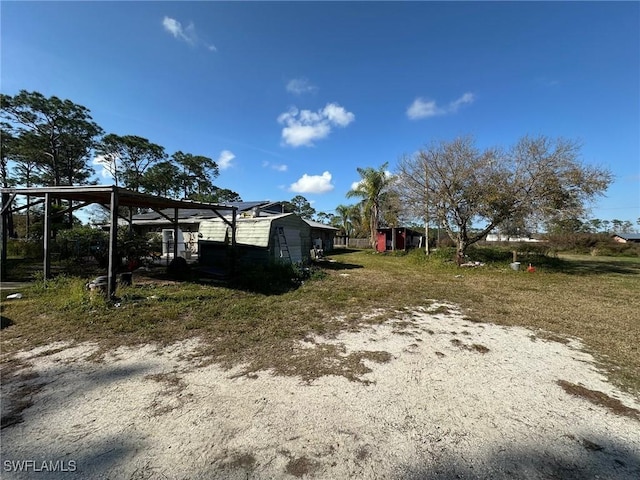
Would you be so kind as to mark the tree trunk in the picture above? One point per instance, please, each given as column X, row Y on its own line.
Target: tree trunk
column 373, row 227
column 461, row 249
column 426, row 236
column 28, row 219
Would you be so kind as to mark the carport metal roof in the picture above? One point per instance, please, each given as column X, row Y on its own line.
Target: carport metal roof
column 102, row 194
column 111, row 197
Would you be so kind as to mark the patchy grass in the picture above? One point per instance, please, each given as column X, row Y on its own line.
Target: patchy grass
column 174, row 385
column 299, row 467
column 244, row 461
column 475, row 347
column 20, row 399
column 587, row 297
column 599, row 398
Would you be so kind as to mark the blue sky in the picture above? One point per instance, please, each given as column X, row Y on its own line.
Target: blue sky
column 290, row 98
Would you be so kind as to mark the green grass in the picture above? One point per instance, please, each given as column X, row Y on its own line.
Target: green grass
column 595, row 299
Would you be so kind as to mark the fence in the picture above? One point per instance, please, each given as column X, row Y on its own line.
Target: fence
column 341, row 242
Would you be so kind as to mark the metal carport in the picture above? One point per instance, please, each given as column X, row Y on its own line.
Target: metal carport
column 111, row 197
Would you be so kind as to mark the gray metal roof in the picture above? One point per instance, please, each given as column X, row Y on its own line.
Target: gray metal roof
column 314, row 224
column 628, row 236
column 126, row 198
column 202, row 213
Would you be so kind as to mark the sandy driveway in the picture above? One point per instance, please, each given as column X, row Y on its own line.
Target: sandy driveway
column 456, row 400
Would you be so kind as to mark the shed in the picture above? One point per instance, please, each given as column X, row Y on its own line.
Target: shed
column 272, row 238
column 405, row 238
column 322, row 236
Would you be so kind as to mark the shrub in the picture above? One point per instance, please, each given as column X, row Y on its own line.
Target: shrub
column 591, row 243
column 274, row 277
column 444, row 254
column 80, row 242
column 491, row 254
column 23, row 248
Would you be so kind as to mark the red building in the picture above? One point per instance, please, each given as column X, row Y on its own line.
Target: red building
column 405, row 239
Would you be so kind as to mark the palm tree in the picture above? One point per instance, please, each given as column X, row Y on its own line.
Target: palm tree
column 343, row 220
column 371, row 189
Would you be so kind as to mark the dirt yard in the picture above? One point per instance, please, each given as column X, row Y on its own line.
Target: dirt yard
column 449, row 399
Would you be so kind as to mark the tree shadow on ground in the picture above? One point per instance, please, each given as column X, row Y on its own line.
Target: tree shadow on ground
column 588, row 459
column 337, row 265
column 5, row 322
column 572, row 266
column 589, row 267
column 99, row 459
column 21, row 269
column 343, row 251
column 99, row 454
column 19, row 390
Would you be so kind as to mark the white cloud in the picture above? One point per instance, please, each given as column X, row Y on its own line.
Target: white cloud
column 464, row 99
column 338, row 115
column 421, row 108
column 174, row 27
column 298, row 86
column 313, row 184
column 224, row 160
column 355, row 185
column 304, row 135
column 275, row 166
column 303, row 127
column 101, row 161
column 187, row 34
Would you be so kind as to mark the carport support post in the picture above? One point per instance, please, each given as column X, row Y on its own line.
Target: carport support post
column 175, row 232
column 233, row 242
column 5, row 232
column 46, row 243
column 113, row 245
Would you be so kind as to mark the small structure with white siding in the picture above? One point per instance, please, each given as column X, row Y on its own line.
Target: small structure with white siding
column 626, row 237
column 267, row 239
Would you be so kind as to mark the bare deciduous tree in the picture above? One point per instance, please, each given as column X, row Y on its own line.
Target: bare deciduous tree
column 537, row 179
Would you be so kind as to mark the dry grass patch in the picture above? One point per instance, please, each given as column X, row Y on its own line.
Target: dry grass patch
column 475, row 347
column 20, row 398
column 170, row 398
column 299, row 467
column 599, row 398
column 244, row 461
column 315, row 361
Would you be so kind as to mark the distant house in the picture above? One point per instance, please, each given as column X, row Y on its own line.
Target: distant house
column 321, row 236
column 282, row 238
column 189, row 222
column 626, row 237
column 497, row 237
column 405, row 238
